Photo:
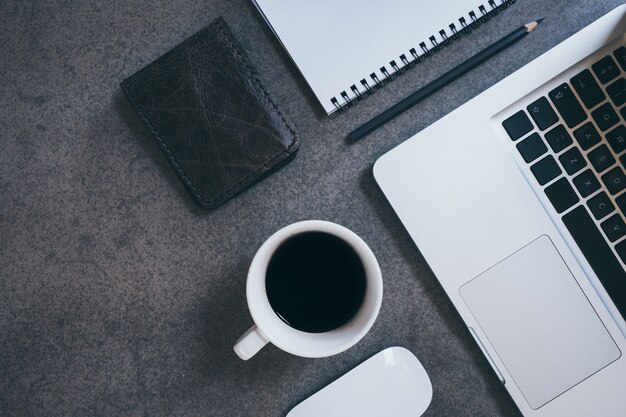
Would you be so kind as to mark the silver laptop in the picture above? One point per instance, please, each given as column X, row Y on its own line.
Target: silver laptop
column 517, row 201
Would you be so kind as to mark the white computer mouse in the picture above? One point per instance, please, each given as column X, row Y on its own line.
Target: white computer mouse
column 391, row 383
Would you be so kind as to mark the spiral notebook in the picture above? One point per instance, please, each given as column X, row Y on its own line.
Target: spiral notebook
column 345, row 49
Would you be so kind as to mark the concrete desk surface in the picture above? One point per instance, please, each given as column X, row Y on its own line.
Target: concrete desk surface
column 119, row 297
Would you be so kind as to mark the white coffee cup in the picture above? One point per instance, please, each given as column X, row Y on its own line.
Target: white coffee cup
column 269, row 327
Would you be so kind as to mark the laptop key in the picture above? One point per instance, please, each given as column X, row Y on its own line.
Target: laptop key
column 542, row 113
column 620, row 55
column 588, row 89
column 605, row 116
column 561, row 195
column 567, row 105
column 573, row 161
column 605, row 69
column 615, row 180
column 599, row 255
column 546, row 170
column 586, row 183
column 621, row 250
column 617, row 138
column 614, row 227
column 517, row 125
column 621, row 203
column 558, row 138
column 617, row 92
column 532, row 147
column 587, row 136
column 601, row 206
column 601, row 158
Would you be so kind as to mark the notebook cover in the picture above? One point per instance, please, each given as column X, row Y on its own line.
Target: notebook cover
column 211, row 116
column 347, row 49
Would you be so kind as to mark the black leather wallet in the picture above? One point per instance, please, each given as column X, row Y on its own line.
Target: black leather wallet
column 211, row 116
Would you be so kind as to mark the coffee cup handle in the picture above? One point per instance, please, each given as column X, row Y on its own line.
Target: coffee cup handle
column 250, row 343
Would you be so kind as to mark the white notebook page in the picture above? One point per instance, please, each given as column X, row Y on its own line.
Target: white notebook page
column 336, row 43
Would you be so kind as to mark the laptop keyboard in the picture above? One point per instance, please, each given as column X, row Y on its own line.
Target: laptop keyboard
column 574, row 141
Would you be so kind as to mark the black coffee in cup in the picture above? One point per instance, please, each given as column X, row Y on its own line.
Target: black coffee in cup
column 315, row 282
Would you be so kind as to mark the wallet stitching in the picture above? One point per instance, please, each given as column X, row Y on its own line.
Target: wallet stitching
column 172, row 159
column 244, row 60
column 164, row 147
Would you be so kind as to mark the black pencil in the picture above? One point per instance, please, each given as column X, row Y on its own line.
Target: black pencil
column 443, row 80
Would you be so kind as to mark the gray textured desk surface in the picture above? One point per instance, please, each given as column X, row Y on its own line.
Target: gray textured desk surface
column 119, row 297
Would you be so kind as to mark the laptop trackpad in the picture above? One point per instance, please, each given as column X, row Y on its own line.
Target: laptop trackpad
column 539, row 322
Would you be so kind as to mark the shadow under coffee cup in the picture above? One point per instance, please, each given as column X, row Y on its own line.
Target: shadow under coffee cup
column 314, row 289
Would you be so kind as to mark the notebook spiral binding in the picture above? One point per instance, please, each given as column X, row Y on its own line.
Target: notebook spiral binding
column 354, row 94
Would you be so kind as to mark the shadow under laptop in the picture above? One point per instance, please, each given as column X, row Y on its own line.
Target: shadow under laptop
column 446, row 312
